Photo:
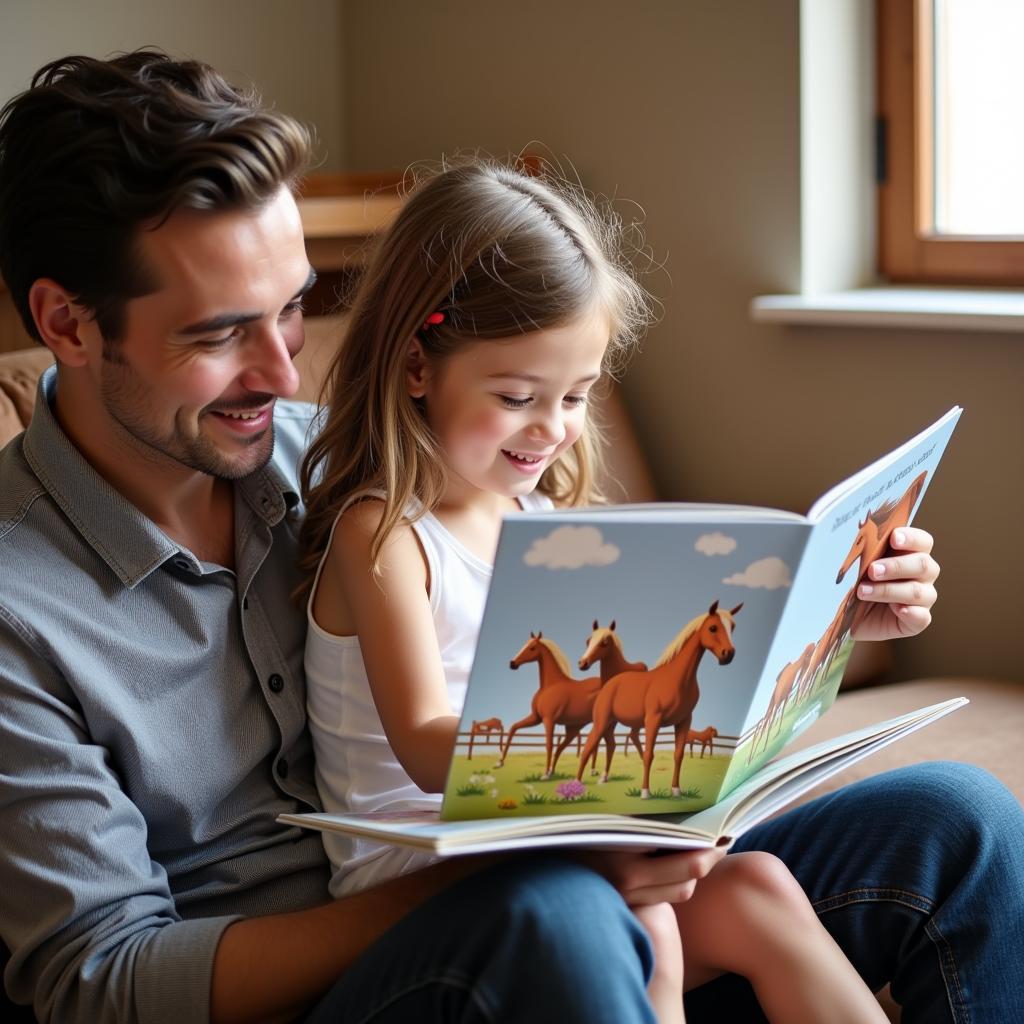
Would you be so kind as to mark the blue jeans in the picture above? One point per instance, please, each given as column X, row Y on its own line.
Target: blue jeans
column 538, row 939
column 919, row 874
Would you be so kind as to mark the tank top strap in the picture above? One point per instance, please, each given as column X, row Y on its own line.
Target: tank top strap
column 345, row 506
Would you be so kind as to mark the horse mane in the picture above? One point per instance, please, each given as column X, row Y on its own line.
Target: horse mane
column 879, row 516
column 882, row 513
column 688, row 630
column 556, row 653
column 610, row 632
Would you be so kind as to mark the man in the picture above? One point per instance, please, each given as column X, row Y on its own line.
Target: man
column 153, row 721
column 151, row 656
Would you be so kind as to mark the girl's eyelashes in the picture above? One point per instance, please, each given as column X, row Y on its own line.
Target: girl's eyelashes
column 515, row 403
column 573, row 401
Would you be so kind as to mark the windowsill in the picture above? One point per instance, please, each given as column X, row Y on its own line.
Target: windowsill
column 935, row 308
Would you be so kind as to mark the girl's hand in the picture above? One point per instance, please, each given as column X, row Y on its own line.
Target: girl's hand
column 644, row 880
column 900, row 589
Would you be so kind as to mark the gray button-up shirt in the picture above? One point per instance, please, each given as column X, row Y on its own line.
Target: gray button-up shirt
column 152, row 727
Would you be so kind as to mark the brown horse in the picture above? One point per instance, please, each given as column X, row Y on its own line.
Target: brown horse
column 831, row 640
column 806, row 674
column 872, row 539
column 663, row 695
column 870, row 543
column 485, row 730
column 487, row 726
column 559, row 700
column 605, row 647
column 706, row 738
column 785, row 683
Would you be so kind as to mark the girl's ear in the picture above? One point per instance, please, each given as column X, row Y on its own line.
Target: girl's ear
column 416, row 369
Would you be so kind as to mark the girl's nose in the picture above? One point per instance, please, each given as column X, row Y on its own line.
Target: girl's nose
column 547, row 429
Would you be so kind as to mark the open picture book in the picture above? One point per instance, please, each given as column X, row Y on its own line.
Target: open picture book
column 640, row 666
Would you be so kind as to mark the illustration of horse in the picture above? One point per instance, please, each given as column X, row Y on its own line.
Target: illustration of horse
column 485, row 730
column 872, row 539
column 870, row 543
column 806, row 675
column 831, row 641
column 559, row 700
column 785, row 683
column 605, row 646
column 663, row 695
column 705, row 737
column 488, row 726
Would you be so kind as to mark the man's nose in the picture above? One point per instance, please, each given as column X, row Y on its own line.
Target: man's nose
column 272, row 367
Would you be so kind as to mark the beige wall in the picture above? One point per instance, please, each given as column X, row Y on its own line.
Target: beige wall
column 292, row 51
column 691, row 108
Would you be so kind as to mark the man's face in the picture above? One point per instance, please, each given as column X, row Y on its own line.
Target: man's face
column 201, row 360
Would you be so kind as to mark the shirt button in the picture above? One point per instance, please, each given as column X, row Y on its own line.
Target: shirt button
column 182, row 563
column 276, row 683
column 282, row 768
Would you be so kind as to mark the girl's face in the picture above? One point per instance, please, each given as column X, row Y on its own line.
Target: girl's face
column 504, row 410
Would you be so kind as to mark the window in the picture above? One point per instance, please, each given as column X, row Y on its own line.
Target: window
column 951, row 99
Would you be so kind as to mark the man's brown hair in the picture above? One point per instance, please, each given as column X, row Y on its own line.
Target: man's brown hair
column 95, row 151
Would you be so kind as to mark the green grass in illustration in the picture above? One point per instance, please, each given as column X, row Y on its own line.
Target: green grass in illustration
column 519, row 788
column 823, row 694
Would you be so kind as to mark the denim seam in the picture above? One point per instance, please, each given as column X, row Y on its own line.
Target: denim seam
column 950, row 974
column 450, row 979
column 947, row 962
column 908, row 899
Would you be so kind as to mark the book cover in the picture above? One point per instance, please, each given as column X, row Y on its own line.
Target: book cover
column 651, row 659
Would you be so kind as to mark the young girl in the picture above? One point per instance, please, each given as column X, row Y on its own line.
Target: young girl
column 488, row 314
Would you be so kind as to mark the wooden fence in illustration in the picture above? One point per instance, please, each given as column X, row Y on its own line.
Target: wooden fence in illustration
column 492, row 742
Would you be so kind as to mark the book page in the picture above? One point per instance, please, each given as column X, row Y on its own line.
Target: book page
column 805, row 665
column 938, row 432
column 773, row 788
column 683, row 604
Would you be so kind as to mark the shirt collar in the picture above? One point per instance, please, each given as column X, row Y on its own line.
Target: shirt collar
column 131, row 544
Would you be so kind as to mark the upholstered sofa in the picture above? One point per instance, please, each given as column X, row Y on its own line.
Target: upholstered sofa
column 987, row 732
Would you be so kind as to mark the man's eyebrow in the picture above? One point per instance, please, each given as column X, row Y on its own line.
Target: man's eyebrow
column 223, row 320
column 532, row 378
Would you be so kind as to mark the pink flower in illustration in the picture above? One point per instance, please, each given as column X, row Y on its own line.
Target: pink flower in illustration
column 572, row 790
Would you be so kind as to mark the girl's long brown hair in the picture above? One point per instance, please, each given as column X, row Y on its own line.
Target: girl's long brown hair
column 498, row 252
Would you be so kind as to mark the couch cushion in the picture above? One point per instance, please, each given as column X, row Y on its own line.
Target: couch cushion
column 987, row 732
column 19, row 374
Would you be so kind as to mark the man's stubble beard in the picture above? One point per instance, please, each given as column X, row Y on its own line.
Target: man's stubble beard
column 125, row 400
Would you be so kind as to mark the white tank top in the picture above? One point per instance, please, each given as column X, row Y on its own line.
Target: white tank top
column 356, row 770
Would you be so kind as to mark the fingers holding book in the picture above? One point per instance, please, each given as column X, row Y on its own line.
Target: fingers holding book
column 900, row 588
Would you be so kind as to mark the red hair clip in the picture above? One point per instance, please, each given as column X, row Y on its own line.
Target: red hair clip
column 433, row 320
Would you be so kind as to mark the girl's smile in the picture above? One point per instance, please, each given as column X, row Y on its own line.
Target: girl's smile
column 529, row 464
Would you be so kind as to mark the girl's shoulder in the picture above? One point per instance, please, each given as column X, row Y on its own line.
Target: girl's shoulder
column 354, row 532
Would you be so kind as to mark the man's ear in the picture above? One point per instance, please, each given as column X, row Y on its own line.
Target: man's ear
column 63, row 325
column 417, row 369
